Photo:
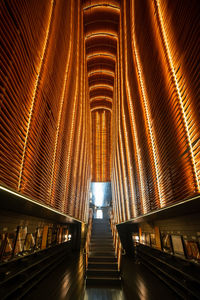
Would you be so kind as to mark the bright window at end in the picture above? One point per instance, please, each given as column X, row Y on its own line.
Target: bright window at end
column 99, row 214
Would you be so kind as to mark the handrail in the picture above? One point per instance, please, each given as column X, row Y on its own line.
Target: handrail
column 89, row 230
column 116, row 241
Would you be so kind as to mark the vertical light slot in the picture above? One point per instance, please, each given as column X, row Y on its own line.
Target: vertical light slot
column 97, row 145
column 121, row 189
column 104, row 152
column 124, row 178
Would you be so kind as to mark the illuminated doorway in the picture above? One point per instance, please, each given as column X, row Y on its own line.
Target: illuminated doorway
column 100, row 198
column 99, row 214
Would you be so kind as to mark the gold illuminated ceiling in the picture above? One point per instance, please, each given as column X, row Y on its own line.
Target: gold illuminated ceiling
column 101, row 20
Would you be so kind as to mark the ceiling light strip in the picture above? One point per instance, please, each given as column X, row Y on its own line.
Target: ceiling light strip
column 101, row 34
column 96, row 86
column 102, row 5
column 101, row 55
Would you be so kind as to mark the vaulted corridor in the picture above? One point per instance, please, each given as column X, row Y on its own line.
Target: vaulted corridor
column 99, row 149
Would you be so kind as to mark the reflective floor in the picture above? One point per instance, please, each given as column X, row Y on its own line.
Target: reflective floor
column 141, row 284
column 67, row 282
column 104, row 294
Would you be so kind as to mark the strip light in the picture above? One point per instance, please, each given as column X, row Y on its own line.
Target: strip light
column 101, row 72
column 121, row 189
column 163, row 209
column 96, row 86
column 124, row 176
column 98, row 145
column 106, row 98
column 101, row 107
column 101, row 55
column 37, row 203
column 102, row 5
column 100, row 34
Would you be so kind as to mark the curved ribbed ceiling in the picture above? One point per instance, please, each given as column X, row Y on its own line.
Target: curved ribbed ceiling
column 101, row 19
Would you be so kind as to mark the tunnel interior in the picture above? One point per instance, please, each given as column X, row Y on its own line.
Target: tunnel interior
column 100, row 124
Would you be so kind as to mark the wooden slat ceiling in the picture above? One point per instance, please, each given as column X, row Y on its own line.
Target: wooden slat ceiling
column 101, row 20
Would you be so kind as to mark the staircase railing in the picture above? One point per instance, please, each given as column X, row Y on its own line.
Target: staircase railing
column 88, row 236
column 116, row 241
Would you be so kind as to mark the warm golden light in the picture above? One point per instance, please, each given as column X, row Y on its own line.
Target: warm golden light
column 102, row 54
column 96, row 86
column 106, row 6
column 100, row 34
column 180, row 98
column 135, row 135
column 147, row 113
column 107, row 99
column 101, row 107
column 101, row 72
column 100, row 91
column 42, row 55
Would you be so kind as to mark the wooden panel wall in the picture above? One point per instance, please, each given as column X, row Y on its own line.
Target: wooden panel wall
column 156, row 152
column 44, row 111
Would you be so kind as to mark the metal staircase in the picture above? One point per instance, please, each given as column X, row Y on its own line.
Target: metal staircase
column 102, row 263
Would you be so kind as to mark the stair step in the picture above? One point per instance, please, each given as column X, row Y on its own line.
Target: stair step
column 105, row 254
column 103, row 281
column 101, row 228
column 102, row 259
column 103, row 238
column 101, row 225
column 102, row 246
column 103, row 265
column 101, row 249
column 103, row 272
column 101, row 221
column 108, row 251
column 101, row 233
column 101, row 242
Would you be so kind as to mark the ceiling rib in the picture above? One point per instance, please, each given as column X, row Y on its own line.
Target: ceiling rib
column 101, row 20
